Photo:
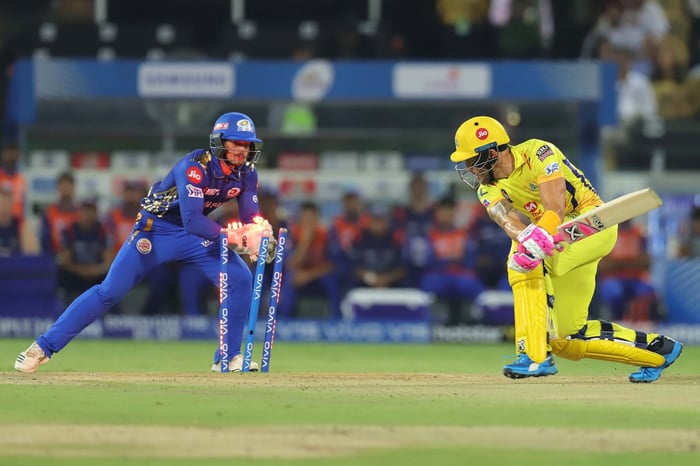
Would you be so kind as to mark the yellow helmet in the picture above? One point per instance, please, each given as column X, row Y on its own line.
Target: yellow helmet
column 477, row 134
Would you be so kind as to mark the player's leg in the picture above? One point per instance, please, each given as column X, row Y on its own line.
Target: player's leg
column 530, row 313
column 128, row 268
column 598, row 339
column 240, row 287
column 533, row 358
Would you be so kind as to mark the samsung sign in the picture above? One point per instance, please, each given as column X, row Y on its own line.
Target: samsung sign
column 186, row 80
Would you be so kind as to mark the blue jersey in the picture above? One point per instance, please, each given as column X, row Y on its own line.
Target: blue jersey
column 197, row 185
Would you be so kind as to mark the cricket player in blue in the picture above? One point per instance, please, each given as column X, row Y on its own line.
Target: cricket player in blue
column 173, row 226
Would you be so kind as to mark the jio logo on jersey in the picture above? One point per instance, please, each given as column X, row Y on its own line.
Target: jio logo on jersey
column 482, row 133
column 194, row 174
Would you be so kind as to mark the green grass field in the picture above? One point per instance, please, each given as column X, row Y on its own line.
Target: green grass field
column 123, row 402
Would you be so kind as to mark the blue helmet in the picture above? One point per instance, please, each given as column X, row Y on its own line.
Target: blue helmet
column 234, row 127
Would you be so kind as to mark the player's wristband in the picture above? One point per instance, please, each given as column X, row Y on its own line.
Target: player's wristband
column 549, row 221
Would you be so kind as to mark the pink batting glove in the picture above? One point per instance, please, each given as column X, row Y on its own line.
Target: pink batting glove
column 536, row 241
column 523, row 262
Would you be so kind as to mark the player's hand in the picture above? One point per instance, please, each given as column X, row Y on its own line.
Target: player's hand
column 536, row 241
column 523, row 262
column 246, row 238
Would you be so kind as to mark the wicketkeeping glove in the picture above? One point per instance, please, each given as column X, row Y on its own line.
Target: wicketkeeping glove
column 245, row 238
column 536, row 242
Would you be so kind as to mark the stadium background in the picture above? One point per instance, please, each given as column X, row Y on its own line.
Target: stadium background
column 358, row 95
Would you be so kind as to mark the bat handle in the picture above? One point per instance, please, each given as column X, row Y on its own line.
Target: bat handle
column 558, row 242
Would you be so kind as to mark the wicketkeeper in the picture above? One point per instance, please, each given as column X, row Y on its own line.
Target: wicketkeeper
column 173, row 227
column 529, row 189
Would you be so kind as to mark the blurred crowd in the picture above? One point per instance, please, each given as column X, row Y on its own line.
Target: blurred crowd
column 654, row 43
column 423, row 243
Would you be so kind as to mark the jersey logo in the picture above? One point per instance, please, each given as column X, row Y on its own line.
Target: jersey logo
column 544, row 152
column 233, row 192
column 530, row 206
column 482, row 133
column 221, row 125
column 194, row 174
column 194, row 191
column 551, row 168
column 144, row 246
column 211, row 192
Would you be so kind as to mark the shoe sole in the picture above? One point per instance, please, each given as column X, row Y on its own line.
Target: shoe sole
column 662, row 369
column 517, row 375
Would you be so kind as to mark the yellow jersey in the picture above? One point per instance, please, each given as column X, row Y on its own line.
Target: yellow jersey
column 537, row 161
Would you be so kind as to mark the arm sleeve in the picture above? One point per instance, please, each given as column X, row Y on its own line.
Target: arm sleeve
column 191, row 195
column 248, row 206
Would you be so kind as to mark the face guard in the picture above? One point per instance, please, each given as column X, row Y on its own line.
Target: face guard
column 478, row 170
column 216, row 143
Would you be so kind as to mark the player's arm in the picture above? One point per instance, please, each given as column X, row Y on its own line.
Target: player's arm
column 190, row 181
column 507, row 218
column 553, row 197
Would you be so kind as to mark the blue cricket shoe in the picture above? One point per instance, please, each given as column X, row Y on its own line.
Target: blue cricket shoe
column 524, row 367
column 667, row 347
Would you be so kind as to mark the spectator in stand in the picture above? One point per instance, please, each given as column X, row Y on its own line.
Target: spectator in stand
column 85, row 254
column 668, row 75
column 272, row 209
column 412, row 220
column 450, row 275
column 16, row 235
column 633, row 25
column 58, row 215
column 121, row 218
column 525, row 27
column 309, row 270
column 344, row 231
column 636, row 101
column 377, row 258
column 691, row 243
column 11, row 179
column 624, row 287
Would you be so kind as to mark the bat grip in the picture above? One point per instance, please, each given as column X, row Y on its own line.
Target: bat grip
column 558, row 242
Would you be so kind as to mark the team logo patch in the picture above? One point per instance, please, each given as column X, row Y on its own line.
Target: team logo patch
column 144, row 246
column 485, row 203
column 551, row 168
column 194, row 191
column 244, row 125
column 482, row 133
column 530, row 206
column 544, row 152
column 233, row 192
column 533, row 187
column 222, row 125
column 194, row 174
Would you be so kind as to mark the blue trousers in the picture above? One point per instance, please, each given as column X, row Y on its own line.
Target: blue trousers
column 139, row 255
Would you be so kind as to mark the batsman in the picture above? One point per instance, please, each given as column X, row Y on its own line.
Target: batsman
column 529, row 189
column 173, row 226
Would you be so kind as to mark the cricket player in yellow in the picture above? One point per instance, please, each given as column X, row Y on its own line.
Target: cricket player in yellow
column 529, row 189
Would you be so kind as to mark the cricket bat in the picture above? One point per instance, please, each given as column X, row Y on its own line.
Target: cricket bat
column 611, row 213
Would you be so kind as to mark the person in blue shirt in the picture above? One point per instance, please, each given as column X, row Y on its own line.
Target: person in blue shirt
column 173, row 226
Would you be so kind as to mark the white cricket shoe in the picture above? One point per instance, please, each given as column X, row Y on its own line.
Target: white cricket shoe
column 30, row 359
column 235, row 365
